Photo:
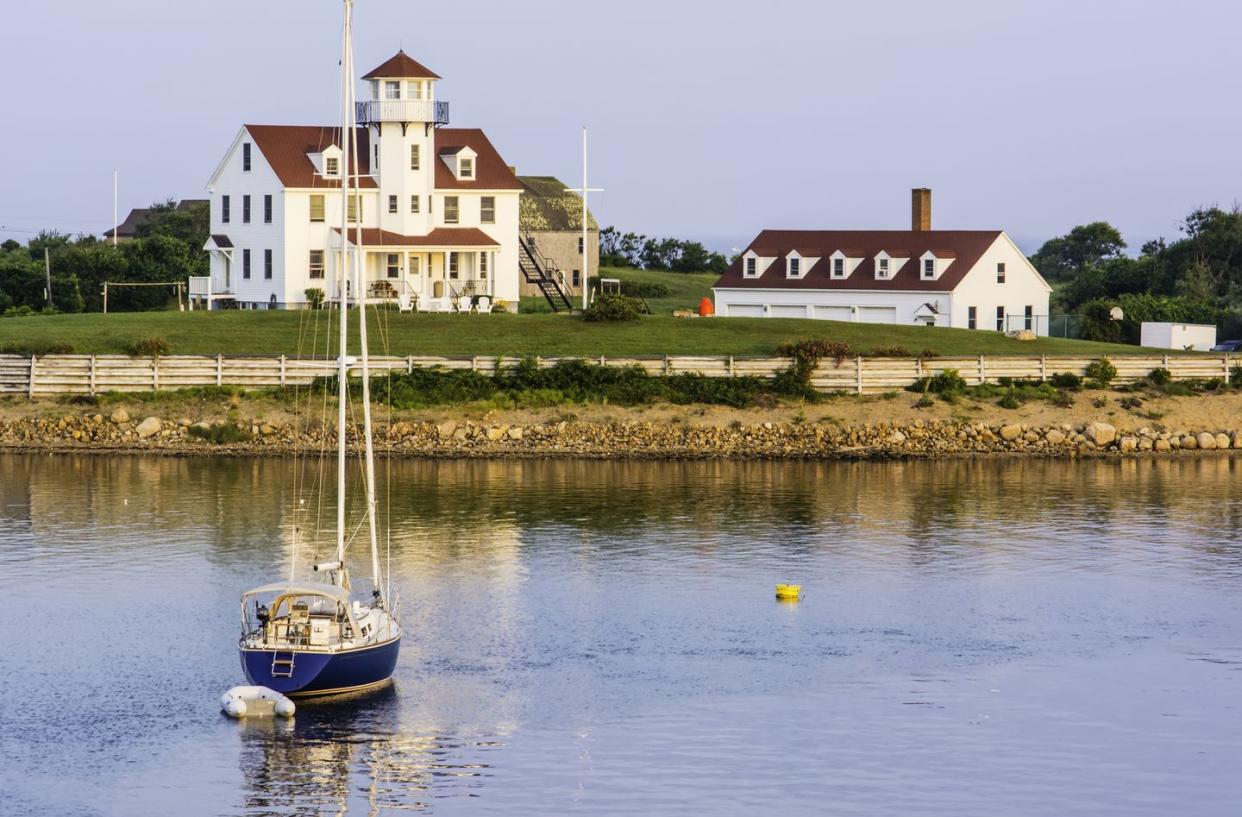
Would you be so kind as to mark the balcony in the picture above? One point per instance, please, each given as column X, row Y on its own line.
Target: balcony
column 402, row 110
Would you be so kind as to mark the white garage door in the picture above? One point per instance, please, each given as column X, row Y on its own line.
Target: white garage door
column 878, row 314
column 786, row 311
column 834, row 313
column 745, row 310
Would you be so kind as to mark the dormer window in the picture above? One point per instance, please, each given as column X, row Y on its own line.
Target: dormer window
column 331, row 166
column 392, row 89
column 751, row 270
column 795, row 267
column 838, row 268
column 466, row 167
column 882, row 268
column 929, row 268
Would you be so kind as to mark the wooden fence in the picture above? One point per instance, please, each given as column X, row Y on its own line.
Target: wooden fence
column 92, row 374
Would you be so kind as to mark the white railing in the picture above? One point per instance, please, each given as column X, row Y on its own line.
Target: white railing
column 402, row 110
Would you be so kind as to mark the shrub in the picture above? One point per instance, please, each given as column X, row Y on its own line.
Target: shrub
column 315, row 297
column 1010, row 400
column 1101, row 372
column 925, row 402
column 814, row 350
column 1063, row 399
column 153, row 346
column 1130, row 403
column 1066, row 380
column 38, row 348
column 1159, row 377
column 890, row 351
column 928, row 353
column 221, row 433
column 614, row 308
column 1235, row 376
column 20, row 311
column 948, row 380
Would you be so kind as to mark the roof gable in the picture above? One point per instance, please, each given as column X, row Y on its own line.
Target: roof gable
column 400, row 66
column 490, row 171
column 287, row 149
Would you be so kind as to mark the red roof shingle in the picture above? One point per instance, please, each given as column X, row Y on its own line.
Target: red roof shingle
column 490, row 171
column 401, row 66
column 439, row 237
column 286, row 147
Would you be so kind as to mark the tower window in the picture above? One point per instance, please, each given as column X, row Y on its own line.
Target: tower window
column 392, row 89
column 1000, row 272
column 316, row 207
column 450, row 209
column 246, row 156
column 331, row 166
column 267, row 209
column 315, row 266
column 413, row 204
column 414, row 90
column 224, row 209
column 267, row 264
column 487, row 210
column 415, row 157
column 466, row 164
column 392, row 204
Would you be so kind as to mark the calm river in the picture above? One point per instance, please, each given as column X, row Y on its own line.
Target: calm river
column 1018, row 638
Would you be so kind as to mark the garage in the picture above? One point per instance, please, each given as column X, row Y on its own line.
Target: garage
column 877, row 314
column 834, row 313
column 745, row 310
column 787, row 311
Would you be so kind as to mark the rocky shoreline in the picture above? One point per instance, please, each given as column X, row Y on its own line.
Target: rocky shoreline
column 626, row 439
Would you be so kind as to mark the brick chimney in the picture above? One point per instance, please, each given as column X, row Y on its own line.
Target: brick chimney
column 920, row 209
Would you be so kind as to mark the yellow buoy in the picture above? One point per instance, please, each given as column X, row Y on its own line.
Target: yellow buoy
column 788, row 592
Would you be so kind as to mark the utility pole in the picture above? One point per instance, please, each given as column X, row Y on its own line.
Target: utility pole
column 47, row 268
column 586, row 254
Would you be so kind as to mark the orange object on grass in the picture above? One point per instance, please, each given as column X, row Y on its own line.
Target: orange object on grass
column 705, row 308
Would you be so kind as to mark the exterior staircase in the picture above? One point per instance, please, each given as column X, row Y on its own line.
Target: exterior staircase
column 540, row 270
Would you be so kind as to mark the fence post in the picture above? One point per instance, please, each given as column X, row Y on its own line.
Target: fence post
column 92, row 375
column 731, row 374
column 983, row 371
column 219, row 370
column 474, row 363
column 155, row 373
column 666, row 366
column 30, row 383
column 409, row 364
column 858, row 374
column 918, row 367
column 1224, row 359
column 1043, row 368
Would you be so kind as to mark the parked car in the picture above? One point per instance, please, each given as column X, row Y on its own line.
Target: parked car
column 1228, row 346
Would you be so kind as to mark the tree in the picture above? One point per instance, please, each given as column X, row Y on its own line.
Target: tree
column 1085, row 246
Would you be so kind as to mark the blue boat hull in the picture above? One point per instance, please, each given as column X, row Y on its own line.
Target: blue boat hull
column 323, row 673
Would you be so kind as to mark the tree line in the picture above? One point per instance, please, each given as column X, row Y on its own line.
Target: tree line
column 168, row 247
column 618, row 249
column 1195, row 278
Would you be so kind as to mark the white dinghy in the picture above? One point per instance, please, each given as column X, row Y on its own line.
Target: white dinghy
column 256, row 702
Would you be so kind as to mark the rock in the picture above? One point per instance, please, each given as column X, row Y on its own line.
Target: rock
column 446, row 429
column 267, row 430
column 1190, row 443
column 1101, row 434
column 201, row 425
column 1127, row 444
column 1145, row 444
column 1024, row 334
column 1206, row 440
column 494, row 433
column 1161, row 445
column 120, row 416
column 1222, row 441
column 1055, row 437
column 1010, row 432
column 516, row 433
column 149, row 427
column 896, row 438
column 184, row 422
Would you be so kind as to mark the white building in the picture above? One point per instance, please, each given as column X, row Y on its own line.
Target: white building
column 438, row 207
column 968, row 279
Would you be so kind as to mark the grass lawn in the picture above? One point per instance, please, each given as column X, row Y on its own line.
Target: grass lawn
column 272, row 333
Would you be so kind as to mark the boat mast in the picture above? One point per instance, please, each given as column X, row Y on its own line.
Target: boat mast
column 342, row 279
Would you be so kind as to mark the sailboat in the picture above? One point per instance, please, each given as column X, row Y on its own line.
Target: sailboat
column 314, row 637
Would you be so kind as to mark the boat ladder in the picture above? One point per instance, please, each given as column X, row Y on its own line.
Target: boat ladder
column 282, row 667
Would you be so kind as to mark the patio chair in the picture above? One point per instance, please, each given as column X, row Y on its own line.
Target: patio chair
column 404, row 304
column 483, row 305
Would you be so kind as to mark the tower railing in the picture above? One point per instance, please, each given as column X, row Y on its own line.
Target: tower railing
column 402, row 110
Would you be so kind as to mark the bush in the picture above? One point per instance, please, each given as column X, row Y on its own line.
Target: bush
column 20, row 311
column 1066, row 380
column 925, row 402
column 929, row 353
column 1235, row 376
column 315, row 297
column 38, row 348
column 815, row 350
column 1010, row 400
column 890, row 351
column 1159, row 377
column 948, row 380
column 1063, row 399
column 1101, row 372
column 614, row 308
column 153, row 346
column 221, row 433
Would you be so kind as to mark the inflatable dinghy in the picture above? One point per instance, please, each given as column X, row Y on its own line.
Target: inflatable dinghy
column 255, row 702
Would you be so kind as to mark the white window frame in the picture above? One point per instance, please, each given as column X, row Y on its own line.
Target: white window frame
column 750, row 267
column 483, row 266
column 317, row 197
column 1000, row 272
column 456, row 213
column 924, row 274
column 394, row 206
column 884, row 268
column 414, row 203
column 392, row 265
column 331, row 166
column 416, row 157
column 313, row 265
column 465, row 167
column 487, row 215
column 392, row 89
column 794, row 268
column 454, row 266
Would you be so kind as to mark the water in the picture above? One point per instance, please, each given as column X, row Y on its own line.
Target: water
column 1021, row 638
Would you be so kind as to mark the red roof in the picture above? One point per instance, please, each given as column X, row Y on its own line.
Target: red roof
column 286, row 147
column 401, row 67
column 966, row 247
column 490, row 171
column 439, row 237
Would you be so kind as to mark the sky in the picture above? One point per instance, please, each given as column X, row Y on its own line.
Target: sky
column 708, row 120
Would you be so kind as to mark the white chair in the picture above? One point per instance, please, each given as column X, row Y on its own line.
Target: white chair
column 404, row 304
column 483, row 305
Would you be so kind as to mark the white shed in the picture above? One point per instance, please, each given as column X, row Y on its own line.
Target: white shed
column 1196, row 337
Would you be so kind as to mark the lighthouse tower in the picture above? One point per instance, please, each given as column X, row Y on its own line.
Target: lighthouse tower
column 401, row 116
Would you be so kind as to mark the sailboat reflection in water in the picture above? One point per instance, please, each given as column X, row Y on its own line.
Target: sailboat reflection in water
column 314, row 638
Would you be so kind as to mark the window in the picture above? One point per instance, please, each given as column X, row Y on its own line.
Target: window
column 246, row 156
column 1029, row 318
column 487, row 210
column 414, row 91
column 452, row 262
column 394, row 265
column 1000, row 272
column 316, row 207
column 972, row 317
column 413, row 204
column 224, row 209
column 883, row 267
column 331, row 166
column 795, row 267
column 392, row 89
column 577, row 278
column 483, row 266
column 750, row 266
column 414, row 264
column 450, row 209
column 267, row 209
column 579, row 245
column 392, row 204
column 466, row 164
column 353, row 212
column 1000, row 319
column 415, row 157
column 375, row 159
column 267, row 264
column 315, row 266
column 929, row 267
column 245, row 209
column 246, row 264
column 838, row 268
